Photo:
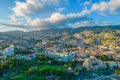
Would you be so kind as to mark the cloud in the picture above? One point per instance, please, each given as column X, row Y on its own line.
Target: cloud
column 34, row 7
column 88, row 2
column 60, row 20
column 112, row 7
column 61, row 9
column 23, row 10
column 83, row 24
column 18, row 26
column 44, row 14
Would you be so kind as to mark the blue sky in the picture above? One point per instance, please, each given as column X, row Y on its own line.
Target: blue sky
column 43, row 14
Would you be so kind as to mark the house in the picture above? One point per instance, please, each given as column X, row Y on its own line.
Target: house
column 117, row 57
column 52, row 78
column 112, row 64
column 118, row 65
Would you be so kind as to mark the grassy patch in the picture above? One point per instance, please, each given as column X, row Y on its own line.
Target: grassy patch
column 51, row 67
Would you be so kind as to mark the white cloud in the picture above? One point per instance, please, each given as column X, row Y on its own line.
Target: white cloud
column 34, row 6
column 86, row 3
column 61, row 9
column 111, row 7
column 59, row 20
column 82, row 24
column 14, row 25
column 23, row 10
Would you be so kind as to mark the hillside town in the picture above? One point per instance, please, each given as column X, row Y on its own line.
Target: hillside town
column 59, row 39
column 96, row 55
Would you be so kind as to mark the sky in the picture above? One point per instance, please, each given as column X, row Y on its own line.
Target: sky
column 30, row 15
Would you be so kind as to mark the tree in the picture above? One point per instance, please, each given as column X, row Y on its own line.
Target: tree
column 117, row 72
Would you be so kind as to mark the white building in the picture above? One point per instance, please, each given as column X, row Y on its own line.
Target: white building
column 8, row 51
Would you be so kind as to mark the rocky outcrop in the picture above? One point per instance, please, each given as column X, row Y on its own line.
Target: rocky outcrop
column 93, row 63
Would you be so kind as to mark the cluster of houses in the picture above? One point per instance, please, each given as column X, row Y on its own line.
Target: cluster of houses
column 95, row 64
column 9, row 51
column 65, row 50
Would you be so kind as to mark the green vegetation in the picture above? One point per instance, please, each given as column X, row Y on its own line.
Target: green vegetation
column 36, row 69
column 117, row 72
column 105, row 57
column 22, row 51
column 52, row 70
